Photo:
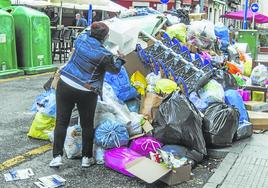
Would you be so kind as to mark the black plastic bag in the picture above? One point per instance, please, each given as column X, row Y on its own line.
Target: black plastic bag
column 179, row 122
column 245, row 129
column 220, row 124
column 226, row 79
column 181, row 151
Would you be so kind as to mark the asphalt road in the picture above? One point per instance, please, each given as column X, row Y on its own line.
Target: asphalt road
column 16, row 98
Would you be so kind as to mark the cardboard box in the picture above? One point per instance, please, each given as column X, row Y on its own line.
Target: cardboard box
column 147, row 127
column 177, row 176
column 197, row 16
column 256, row 106
column 133, row 64
column 150, row 171
column 259, row 120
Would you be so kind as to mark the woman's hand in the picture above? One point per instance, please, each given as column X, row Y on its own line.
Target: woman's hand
column 120, row 55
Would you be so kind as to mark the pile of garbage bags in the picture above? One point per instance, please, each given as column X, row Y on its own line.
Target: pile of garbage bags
column 178, row 110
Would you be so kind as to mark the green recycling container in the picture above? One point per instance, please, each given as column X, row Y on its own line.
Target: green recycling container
column 5, row 3
column 251, row 38
column 8, row 56
column 33, row 40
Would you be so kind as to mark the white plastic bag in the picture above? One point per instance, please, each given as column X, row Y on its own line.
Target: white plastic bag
column 112, row 108
column 203, row 26
column 73, row 142
column 259, row 75
column 212, row 92
column 152, row 79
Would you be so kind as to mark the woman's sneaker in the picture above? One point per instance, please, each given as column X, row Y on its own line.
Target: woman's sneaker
column 87, row 162
column 56, row 162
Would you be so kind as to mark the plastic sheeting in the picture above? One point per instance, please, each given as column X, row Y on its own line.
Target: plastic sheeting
column 179, row 122
column 220, row 124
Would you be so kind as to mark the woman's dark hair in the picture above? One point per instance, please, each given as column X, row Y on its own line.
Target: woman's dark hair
column 99, row 30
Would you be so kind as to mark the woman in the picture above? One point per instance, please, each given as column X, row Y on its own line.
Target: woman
column 80, row 83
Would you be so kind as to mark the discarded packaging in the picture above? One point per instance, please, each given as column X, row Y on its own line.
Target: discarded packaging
column 52, row 181
column 143, row 167
column 19, row 174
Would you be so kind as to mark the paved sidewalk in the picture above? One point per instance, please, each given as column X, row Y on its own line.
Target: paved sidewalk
column 245, row 166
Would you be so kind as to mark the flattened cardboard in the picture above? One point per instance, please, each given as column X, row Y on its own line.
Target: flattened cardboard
column 177, row 176
column 256, row 106
column 133, row 64
column 146, row 169
column 147, row 127
column 259, row 120
column 136, row 136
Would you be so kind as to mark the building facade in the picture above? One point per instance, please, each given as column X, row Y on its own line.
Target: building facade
column 155, row 4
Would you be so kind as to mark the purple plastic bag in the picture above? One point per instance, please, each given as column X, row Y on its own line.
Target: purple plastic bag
column 145, row 145
column 117, row 159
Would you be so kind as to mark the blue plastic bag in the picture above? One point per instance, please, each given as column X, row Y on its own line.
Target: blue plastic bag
column 232, row 97
column 222, row 32
column 199, row 103
column 121, row 85
column 110, row 134
column 133, row 105
column 46, row 103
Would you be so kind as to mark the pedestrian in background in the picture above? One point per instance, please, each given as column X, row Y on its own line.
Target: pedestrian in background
column 80, row 84
column 80, row 21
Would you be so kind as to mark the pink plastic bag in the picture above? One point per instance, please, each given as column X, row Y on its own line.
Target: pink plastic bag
column 145, row 145
column 206, row 56
column 245, row 94
column 117, row 159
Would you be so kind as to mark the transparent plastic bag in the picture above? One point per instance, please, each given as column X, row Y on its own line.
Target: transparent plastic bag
column 259, row 75
column 212, row 92
column 117, row 110
column 46, row 103
column 152, row 79
column 99, row 155
column 73, row 142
